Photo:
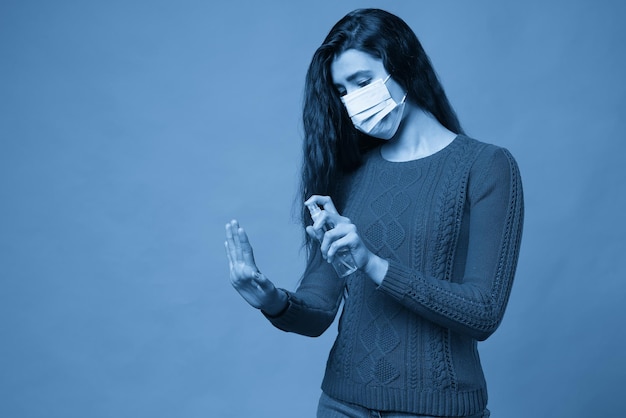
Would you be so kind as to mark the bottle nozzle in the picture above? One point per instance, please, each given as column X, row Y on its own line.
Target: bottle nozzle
column 314, row 210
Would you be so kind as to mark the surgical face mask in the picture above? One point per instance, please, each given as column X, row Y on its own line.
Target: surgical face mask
column 369, row 105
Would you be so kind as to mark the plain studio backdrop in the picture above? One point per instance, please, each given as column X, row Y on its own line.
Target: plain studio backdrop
column 131, row 132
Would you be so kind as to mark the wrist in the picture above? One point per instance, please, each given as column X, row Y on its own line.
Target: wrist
column 278, row 305
column 376, row 268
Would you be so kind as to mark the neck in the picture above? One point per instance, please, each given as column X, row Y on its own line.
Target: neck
column 420, row 134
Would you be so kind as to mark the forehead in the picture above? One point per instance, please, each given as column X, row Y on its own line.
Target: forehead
column 353, row 61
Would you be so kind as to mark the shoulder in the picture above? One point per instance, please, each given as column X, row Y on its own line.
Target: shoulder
column 493, row 167
column 488, row 157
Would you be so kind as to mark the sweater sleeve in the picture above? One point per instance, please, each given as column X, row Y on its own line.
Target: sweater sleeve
column 475, row 304
column 312, row 308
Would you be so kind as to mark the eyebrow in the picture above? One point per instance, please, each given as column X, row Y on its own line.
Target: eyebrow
column 358, row 74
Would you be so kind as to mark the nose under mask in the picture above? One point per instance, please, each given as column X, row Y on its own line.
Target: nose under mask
column 371, row 107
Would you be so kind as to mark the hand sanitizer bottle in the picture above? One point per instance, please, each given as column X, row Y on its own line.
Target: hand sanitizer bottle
column 344, row 263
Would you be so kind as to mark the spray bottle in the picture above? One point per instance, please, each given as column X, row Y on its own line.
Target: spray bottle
column 344, row 263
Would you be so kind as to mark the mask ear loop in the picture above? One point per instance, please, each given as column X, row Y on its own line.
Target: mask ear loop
column 405, row 94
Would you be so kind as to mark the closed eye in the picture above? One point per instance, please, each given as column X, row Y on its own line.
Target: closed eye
column 362, row 83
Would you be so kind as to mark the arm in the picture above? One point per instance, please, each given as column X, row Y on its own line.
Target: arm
column 475, row 305
column 312, row 308
column 308, row 311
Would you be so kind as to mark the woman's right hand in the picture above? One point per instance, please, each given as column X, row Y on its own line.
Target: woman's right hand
column 344, row 235
column 245, row 277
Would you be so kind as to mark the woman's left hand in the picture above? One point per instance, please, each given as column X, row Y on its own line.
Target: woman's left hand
column 343, row 234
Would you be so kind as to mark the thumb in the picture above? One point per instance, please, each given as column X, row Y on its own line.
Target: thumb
column 315, row 234
column 263, row 282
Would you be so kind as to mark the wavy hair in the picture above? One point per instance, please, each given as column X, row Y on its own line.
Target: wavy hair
column 332, row 146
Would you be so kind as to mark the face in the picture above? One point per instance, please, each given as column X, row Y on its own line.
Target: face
column 353, row 69
column 370, row 110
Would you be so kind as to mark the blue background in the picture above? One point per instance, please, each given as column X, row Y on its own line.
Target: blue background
column 130, row 132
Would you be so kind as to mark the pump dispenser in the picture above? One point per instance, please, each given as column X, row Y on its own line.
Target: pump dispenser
column 344, row 263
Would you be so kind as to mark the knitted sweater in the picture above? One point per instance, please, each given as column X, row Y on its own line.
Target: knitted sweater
column 450, row 226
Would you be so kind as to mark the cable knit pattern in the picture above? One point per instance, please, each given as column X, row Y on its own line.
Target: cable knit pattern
column 450, row 226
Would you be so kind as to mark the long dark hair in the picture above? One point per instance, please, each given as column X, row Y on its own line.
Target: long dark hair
column 332, row 146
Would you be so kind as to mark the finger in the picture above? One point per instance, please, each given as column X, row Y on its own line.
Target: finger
column 231, row 245
column 233, row 241
column 327, row 240
column 344, row 235
column 230, row 260
column 333, row 219
column 337, row 245
column 325, row 201
column 321, row 222
column 237, row 250
column 315, row 233
column 246, row 248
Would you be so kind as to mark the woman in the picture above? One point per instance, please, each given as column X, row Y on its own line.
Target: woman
column 432, row 218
